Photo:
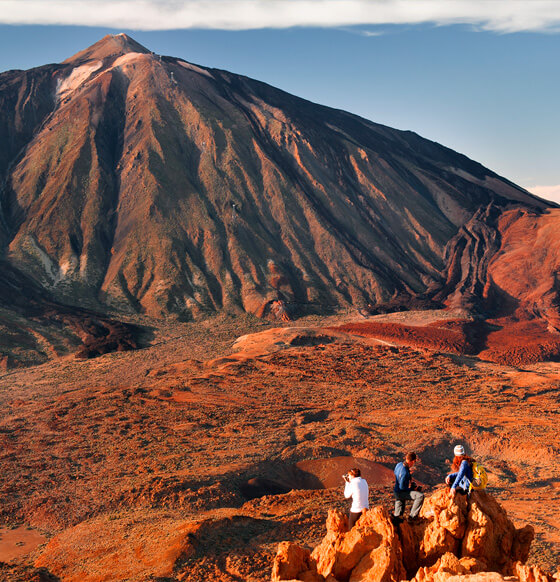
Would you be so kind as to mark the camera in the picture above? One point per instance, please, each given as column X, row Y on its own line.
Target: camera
column 346, row 477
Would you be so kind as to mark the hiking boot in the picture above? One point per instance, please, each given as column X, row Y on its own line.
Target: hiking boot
column 397, row 519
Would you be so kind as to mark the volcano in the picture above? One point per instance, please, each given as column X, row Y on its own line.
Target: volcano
column 139, row 183
column 142, row 189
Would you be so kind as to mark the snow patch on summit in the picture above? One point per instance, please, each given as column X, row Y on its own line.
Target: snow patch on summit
column 76, row 78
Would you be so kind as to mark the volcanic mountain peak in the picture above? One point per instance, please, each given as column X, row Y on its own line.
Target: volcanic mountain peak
column 154, row 185
column 111, row 45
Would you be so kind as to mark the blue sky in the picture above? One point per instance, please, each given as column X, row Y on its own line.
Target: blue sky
column 480, row 79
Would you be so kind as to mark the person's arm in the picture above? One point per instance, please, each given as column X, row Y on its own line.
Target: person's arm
column 459, row 476
column 450, row 478
column 348, row 490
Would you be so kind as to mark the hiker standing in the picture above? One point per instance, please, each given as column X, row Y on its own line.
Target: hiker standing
column 461, row 477
column 405, row 489
column 356, row 488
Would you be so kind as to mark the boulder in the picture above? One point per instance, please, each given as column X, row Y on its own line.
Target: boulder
column 443, row 526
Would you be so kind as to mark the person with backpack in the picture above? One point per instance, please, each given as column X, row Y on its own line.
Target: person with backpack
column 405, row 489
column 466, row 474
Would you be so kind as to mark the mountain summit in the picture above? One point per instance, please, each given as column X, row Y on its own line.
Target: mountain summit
column 111, row 45
column 144, row 183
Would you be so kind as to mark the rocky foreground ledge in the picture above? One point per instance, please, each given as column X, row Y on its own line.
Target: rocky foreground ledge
column 465, row 540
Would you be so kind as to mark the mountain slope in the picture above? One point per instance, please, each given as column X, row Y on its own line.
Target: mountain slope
column 150, row 184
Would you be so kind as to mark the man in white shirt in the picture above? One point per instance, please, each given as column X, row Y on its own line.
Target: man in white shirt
column 356, row 488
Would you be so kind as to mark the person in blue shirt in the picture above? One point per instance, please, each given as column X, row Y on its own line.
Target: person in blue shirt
column 405, row 489
column 460, row 479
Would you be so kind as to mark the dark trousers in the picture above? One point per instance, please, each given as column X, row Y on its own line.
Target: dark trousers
column 353, row 518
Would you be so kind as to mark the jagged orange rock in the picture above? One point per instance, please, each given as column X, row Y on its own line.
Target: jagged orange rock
column 292, row 561
column 447, row 565
column 533, row 574
column 490, row 535
column 464, row 538
column 370, row 549
column 521, row 572
column 446, row 526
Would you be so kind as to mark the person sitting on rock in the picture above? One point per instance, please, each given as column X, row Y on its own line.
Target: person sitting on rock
column 405, row 489
column 460, row 479
column 356, row 488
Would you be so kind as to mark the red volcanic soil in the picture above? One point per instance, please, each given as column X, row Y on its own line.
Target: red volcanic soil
column 16, row 543
column 516, row 343
column 453, row 336
column 161, row 463
column 525, row 271
column 329, row 471
column 505, row 341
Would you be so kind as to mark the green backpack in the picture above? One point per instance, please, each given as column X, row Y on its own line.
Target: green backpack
column 480, row 478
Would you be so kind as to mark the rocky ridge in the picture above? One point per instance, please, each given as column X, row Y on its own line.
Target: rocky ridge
column 461, row 538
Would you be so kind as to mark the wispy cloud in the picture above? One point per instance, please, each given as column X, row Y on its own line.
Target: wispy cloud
column 367, row 33
column 503, row 16
column 547, row 192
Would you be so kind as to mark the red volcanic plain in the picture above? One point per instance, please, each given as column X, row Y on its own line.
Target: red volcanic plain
column 193, row 459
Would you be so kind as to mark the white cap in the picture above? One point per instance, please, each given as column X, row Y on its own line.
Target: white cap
column 459, row 450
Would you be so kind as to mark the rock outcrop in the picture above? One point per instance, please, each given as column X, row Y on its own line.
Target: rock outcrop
column 451, row 539
column 467, row 257
column 525, row 271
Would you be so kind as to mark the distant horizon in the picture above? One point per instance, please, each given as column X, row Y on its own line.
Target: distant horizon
column 474, row 84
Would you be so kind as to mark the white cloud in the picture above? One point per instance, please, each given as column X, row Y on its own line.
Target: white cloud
column 496, row 15
column 547, row 192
